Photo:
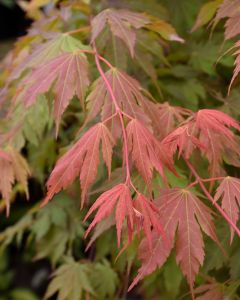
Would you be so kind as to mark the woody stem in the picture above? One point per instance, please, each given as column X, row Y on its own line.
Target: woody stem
column 118, row 111
column 210, row 198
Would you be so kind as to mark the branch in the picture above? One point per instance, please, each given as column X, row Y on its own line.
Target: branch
column 118, row 111
column 210, row 198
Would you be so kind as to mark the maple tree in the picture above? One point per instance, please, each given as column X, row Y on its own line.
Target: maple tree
column 83, row 98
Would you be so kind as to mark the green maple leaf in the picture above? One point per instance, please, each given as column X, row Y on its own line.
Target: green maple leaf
column 105, row 280
column 70, row 281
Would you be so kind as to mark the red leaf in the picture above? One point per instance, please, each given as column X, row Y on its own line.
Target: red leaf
column 182, row 212
column 229, row 191
column 217, row 121
column 118, row 198
column 208, row 130
column 128, row 95
column 146, row 151
column 229, row 9
column 170, row 116
column 120, row 22
column 183, row 139
column 236, row 63
column 67, row 73
column 148, row 217
column 82, row 159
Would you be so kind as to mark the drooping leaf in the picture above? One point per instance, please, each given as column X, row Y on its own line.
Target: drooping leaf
column 182, row 213
column 229, row 191
column 146, row 151
column 81, row 160
column 20, row 168
column 148, row 217
column 67, row 73
column 13, row 168
column 119, row 198
column 7, row 179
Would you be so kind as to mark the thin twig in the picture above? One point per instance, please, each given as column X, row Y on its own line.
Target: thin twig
column 118, row 111
column 82, row 29
column 210, row 198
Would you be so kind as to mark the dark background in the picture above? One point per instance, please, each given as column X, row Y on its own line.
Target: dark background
column 12, row 21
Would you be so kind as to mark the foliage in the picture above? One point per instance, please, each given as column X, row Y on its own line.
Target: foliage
column 139, row 102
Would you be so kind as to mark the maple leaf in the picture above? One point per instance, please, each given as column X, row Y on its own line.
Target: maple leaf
column 120, row 22
column 70, row 280
column 7, row 180
column 182, row 139
column 67, row 73
column 148, row 217
column 170, row 116
column 236, row 63
column 128, row 94
column 229, row 9
column 208, row 130
column 104, row 279
column 82, row 159
column 229, row 191
column 146, row 151
column 44, row 52
column 119, row 197
column 181, row 212
column 217, row 121
column 20, row 168
column 13, row 167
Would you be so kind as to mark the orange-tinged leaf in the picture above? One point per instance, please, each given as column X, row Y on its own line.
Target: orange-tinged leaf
column 20, row 168
column 81, row 160
column 6, row 181
column 229, row 191
column 13, row 167
column 67, row 73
